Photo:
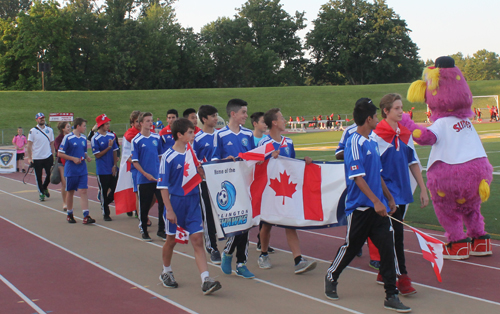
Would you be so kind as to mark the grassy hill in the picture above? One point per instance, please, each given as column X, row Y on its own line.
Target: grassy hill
column 19, row 108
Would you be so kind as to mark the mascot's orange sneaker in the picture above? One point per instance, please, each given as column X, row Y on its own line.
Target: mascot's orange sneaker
column 457, row 250
column 404, row 285
column 481, row 246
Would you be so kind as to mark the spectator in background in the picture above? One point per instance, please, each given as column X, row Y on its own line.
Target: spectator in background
column 479, row 115
column 20, row 142
column 64, row 128
column 475, row 114
column 158, row 124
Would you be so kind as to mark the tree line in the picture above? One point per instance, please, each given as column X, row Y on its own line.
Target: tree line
column 139, row 44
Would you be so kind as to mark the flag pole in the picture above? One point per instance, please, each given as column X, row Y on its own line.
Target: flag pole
column 400, row 222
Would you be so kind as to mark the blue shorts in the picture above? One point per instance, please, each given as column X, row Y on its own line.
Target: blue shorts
column 75, row 183
column 188, row 212
column 134, row 178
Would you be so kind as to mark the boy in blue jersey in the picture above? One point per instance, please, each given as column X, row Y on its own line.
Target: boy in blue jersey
column 397, row 155
column 276, row 123
column 204, row 148
column 74, row 149
column 228, row 143
column 339, row 152
column 146, row 151
column 366, row 207
column 105, row 148
column 180, row 209
column 166, row 133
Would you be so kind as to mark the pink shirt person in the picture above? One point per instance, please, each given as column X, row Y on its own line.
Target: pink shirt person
column 20, row 141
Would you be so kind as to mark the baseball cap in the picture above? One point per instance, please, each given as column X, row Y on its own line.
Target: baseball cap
column 39, row 115
column 100, row 120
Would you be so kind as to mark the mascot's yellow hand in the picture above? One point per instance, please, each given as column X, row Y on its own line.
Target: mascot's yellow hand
column 417, row 133
column 484, row 190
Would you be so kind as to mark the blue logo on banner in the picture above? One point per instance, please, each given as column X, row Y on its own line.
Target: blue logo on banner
column 227, row 196
column 6, row 158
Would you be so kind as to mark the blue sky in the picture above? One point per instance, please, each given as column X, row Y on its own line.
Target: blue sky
column 439, row 27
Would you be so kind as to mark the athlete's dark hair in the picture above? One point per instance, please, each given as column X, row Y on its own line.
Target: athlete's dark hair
column 173, row 111
column 235, row 105
column 255, row 117
column 143, row 115
column 205, row 111
column 188, row 111
column 181, row 126
column 79, row 121
column 363, row 109
column 134, row 116
column 386, row 103
column 270, row 116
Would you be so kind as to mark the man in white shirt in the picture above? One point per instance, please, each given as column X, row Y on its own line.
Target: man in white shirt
column 41, row 153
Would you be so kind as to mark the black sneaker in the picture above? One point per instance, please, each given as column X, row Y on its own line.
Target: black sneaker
column 129, row 214
column 146, row 237
column 162, row 235
column 46, row 193
column 167, row 279
column 393, row 303
column 360, row 253
column 71, row 219
column 331, row 289
column 107, row 218
column 210, row 285
column 270, row 250
column 88, row 220
column 215, row 257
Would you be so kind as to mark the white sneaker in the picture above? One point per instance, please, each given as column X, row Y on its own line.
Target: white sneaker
column 304, row 266
column 264, row 262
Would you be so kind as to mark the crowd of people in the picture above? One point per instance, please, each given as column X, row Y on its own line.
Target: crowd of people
column 157, row 160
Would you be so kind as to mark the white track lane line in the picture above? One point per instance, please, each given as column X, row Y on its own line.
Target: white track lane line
column 268, row 283
column 22, row 295
column 101, row 267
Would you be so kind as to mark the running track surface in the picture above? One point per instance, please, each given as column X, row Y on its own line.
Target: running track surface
column 62, row 282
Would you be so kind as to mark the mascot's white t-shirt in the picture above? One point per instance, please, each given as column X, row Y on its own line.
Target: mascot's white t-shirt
column 457, row 142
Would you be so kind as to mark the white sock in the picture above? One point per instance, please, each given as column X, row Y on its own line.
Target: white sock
column 203, row 276
column 240, row 264
column 167, row 268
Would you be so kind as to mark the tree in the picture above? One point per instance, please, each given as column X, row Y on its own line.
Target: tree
column 11, row 8
column 357, row 42
column 483, row 65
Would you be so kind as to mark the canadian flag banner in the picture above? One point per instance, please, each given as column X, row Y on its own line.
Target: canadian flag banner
column 191, row 177
column 432, row 250
column 260, row 153
column 281, row 191
column 125, row 198
column 181, row 235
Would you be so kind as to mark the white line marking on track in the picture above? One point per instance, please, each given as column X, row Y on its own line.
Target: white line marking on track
column 22, row 295
column 101, row 267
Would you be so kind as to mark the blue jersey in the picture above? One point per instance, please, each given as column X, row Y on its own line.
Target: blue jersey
column 396, row 174
column 287, row 150
column 172, row 173
column 361, row 158
column 227, row 143
column 167, row 141
column 345, row 136
column 204, row 146
column 146, row 151
column 104, row 164
column 74, row 146
column 159, row 125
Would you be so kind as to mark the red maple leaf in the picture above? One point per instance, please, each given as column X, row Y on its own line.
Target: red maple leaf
column 283, row 188
column 186, row 168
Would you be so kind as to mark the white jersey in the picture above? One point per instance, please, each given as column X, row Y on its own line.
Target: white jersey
column 457, row 142
column 41, row 142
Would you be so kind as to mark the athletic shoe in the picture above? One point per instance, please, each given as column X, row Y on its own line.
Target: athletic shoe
column 167, row 280
column 107, row 218
column 226, row 263
column 88, row 220
column 210, row 285
column 24, row 170
column 457, row 250
column 393, row 303
column 481, row 246
column 360, row 253
column 215, row 257
column 304, row 265
column 136, row 215
column 42, row 197
column 264, row 262
column 243, row 271
column 380, row 279
column 99, row 196
column 46, row 193
column 270, row 250
column 331, row 289
column 404, row 285
column 129, row 214
column 149, row 223
column 146, row 237
column 71, row 219
column 162, row 235
column 375, row 264
column 65, row 209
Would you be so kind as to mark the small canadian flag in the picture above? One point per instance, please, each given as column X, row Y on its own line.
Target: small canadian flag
column 355, row 167
column 181, row 235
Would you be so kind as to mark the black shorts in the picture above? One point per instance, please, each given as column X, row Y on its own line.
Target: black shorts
column 20, row 156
